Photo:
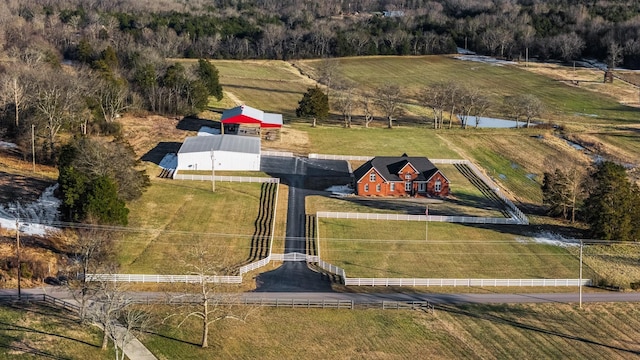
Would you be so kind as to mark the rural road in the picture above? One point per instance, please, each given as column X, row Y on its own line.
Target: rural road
column 364, row 298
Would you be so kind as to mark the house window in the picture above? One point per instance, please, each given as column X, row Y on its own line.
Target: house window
column 407, row 186
column 392, row 187
column 372, row 177
column 378, row 188
column 366, row 187
column 437, row 187
column 422, row 187
column 407, row 176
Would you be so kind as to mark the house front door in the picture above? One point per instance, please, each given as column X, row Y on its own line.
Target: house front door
column 422, row 187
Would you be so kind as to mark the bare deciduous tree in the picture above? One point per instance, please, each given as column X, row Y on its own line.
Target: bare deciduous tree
column 57, row 102
column 388, row 100
column 345, row 100
column 91, row 251
column 366, row 104
column 14, row 90
column 215, row 301
column 435, row 97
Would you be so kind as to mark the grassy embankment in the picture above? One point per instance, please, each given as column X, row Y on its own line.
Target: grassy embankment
column 607, row 331
column 33, row 331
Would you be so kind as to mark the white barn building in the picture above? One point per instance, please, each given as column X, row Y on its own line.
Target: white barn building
column 239, row 153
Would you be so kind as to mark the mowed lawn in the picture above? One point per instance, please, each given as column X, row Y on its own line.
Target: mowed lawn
column 377, row 142
column 407, row 249
column 173, row 217
column 528, row 331
column 563, row 103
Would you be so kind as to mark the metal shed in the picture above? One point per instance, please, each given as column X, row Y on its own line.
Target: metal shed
column 232, row 153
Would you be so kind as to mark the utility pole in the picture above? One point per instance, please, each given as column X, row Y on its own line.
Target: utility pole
column 213, row 171
column 18, row 255
column 426, row 224
column 580, row 285
column 33, row 146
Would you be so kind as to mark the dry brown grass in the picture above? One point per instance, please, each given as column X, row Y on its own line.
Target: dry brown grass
column 586, row 78
column 145, row 132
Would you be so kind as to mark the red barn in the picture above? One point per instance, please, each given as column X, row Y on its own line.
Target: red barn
column 245, row 120
column 244, row 114
column 400, row 176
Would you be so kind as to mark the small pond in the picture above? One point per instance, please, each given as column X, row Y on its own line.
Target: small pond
column 493, row 123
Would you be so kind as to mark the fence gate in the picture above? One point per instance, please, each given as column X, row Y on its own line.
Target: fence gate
column 295, row 256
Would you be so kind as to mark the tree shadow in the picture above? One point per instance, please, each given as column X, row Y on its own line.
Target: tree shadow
column 163, row 148
column 484, row 315
column 167, row 337
column 195, row 123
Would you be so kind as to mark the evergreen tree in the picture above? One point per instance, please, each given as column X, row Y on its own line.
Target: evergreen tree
column 102, row 202
column 314, row 104
column 209, row 76
column 612, row 209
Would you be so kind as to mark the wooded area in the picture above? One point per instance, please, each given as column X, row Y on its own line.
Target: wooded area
column 607, row 30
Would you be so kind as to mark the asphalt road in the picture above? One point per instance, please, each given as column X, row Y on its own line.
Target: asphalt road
column 360, row 298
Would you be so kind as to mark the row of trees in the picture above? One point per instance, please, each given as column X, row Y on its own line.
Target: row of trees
column 301, row 29
column 447, row 101
column 605, row 199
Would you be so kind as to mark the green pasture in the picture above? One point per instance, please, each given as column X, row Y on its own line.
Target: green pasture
column 563, row 103
column 516, row 159
column 377, row 141
column 370, row 248
column 528, row 331
column 172, row 217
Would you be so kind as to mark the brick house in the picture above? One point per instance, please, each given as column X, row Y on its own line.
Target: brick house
column 400, row 176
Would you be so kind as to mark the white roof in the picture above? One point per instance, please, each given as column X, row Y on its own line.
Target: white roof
column 243, row 110
column 231, row 143
column 272, row 119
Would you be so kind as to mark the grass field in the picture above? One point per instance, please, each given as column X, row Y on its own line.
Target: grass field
column 272, row 86
column 517, row 160
column 563, row 103
column 173, row 216
column 369, row 248
column 536, row 331
column 32, row 331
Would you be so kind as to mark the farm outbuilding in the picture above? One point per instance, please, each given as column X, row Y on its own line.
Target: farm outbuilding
column 230, row 153
column 245, row 120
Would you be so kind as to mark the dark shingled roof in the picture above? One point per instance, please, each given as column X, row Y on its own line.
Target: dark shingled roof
column 389, row 166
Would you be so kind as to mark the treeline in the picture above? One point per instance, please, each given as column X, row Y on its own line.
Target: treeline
column 608, row 30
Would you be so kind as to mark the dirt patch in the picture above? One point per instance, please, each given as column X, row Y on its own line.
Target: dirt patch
column 21, row 188
column 292, row 140
column 145, row 132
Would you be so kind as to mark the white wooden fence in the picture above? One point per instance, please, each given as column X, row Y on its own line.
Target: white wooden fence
column 464, row 282
column 404, row 217
column 339, row 157
column 151, row 278
column 276, row 153
column 243, row 179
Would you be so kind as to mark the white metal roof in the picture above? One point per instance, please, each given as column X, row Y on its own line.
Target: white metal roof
column 231, row 143
column 272, row 119
column 243, row 110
